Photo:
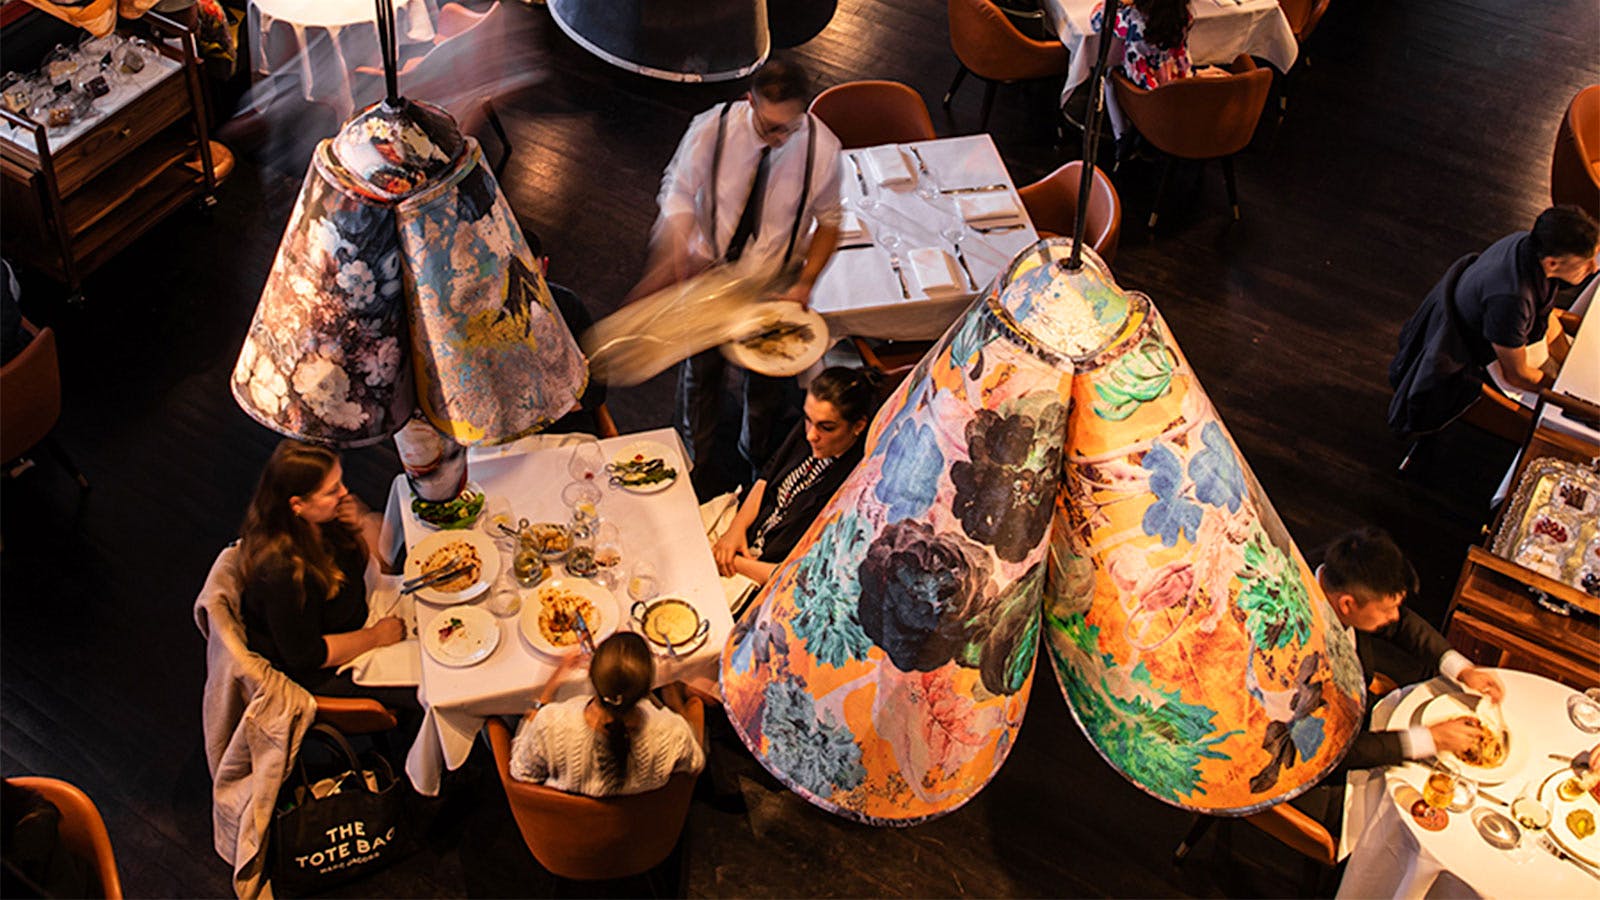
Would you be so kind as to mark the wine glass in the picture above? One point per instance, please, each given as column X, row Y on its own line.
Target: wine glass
column 587, row 462
column 643, row 584
column 608, row 555
column 498, row 523
column 1531, row 815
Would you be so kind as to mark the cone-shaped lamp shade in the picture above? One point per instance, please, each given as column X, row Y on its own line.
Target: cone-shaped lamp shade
column 676, row 40
column 403, row 280
column 886, row 668
column 1191, row 641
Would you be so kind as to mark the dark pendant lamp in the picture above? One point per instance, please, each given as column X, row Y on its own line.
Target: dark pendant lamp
column 675, row 40
column 1050, row 475
column 402, row 283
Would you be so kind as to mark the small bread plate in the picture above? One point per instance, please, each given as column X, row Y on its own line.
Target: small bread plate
column 780, row 339
column 1574, row 816
column 1513, row 754
column 548, row 619
column 442, row 549
column 671, row 625
column 459, row 512
column 463, row 636
column 644, row 467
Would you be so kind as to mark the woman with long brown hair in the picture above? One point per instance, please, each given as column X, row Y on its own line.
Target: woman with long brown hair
column 304, row 547
column 608, row 743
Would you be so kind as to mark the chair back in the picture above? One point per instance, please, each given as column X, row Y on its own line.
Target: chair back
column 589, row 838
column 1303, row 16
column 991, row 47
column 1198, row 118
column 868, row 113
column 1052, row 204
column 1298, row 831
column 82, row 831
column 1575, row 164
column 31, row 386
column 455, row 19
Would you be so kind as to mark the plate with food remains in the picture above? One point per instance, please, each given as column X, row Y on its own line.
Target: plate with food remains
column 549, row 619
column 463, row 636
column 471, row 551
column 460, row 511
column 671, row 623
column 644, row 467
column 1499, row 754
column 781, row 339
column 1574, row 815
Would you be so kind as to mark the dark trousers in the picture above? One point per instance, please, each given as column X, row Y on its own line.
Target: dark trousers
column 699, row 404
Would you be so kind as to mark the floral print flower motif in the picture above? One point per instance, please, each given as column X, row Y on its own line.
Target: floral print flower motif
column 947, row 728
column 1301, row 735
column 818, row 754
column 1218, row 479
column 757, row 642
column 1147, row 595
column 919, row 590
column 381, row 361
column 325, row 388
column 1277, row 610
column 1143, row 375
column 912, row 464
column 826, row 593
column 360, row 287
column 969, row 339
column 1172, row 515
column 1005, row 492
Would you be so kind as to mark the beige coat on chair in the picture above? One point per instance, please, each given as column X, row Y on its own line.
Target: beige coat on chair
column 254, row 717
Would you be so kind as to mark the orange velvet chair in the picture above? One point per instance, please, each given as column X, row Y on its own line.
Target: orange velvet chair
column 1052, row 204
column 83, row 832
column 1575, row 164
column 1198, row 118
column 868, row 113
column 592, row 838
column 990, row 47
column 1303, row 16
column 31, row 386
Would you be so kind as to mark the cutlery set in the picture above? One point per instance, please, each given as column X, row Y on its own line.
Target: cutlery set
column 437, row 576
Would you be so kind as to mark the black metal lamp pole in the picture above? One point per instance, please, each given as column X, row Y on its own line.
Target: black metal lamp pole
column 388, row 47
column 1091, row 132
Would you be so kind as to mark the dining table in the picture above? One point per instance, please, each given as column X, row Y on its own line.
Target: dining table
column 326, row 40
column 1392, row 854
column 927, row 226
column 662, row 527
column 1221, row 31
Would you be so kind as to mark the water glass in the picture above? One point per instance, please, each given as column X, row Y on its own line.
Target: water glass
column 587, row 462
column 643, row 583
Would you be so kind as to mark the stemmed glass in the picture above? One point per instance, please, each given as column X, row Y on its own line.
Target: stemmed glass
column 1532, row 816
column 587, row 463
column 608, row 556
column 643, row 584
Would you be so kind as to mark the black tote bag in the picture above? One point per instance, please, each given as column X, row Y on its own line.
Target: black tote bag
column 340, row 827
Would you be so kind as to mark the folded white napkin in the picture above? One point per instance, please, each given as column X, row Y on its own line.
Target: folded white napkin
column 988, row 205
column 934, row 270
column 851, row 228
column 397, row 665
column 888, row 165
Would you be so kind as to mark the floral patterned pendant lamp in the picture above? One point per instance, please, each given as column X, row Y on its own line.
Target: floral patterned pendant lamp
column 1053, row 452
column 403, row 282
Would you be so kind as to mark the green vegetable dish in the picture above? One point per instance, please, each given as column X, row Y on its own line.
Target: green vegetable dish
column 640, row 471
column 459, row 512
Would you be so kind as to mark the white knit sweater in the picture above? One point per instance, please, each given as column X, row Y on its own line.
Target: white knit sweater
column 558, row 749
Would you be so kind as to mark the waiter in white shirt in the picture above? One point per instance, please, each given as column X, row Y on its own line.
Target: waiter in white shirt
column 754, row 184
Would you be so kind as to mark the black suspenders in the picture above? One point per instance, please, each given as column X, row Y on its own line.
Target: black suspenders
column 805, row 183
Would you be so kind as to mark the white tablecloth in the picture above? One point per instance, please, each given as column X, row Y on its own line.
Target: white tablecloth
column 858, row 293
column 663, row 527
column 326, row 47
column 1396, row 857
column 1221, row 31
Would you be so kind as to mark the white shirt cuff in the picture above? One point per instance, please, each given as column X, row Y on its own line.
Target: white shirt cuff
column 1416, row 742
column 1452, row 664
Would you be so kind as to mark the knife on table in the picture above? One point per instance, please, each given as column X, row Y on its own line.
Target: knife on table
column 921, row 166
column 585, row 639
column 981, row 189
column 434, row 578
column 860, row 178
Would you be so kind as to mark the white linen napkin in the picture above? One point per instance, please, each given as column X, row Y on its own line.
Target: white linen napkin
column 851, row 228
column 397, row 665
column 888, row 165
column 933, row 270
column 988, row 205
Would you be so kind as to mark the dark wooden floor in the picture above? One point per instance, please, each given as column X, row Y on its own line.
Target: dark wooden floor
column 1420, row 132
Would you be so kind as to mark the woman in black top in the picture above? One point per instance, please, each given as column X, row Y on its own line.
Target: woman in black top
column 304, row 554
column 813, row 461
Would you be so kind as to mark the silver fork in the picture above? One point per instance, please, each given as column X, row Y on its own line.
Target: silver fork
column 894, row 263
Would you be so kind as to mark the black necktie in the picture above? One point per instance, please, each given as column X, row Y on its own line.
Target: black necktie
column 750, row 221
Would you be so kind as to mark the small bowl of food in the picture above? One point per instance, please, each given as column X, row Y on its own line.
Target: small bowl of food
column 671, row 624
column 551, row 539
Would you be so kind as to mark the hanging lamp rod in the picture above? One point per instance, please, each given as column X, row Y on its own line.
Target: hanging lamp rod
column 1091, row 132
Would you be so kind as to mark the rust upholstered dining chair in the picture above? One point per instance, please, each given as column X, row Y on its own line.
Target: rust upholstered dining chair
column 31, row 385
column 1303, row 16
column 592, row 838
column 1198, row 118
column 990, row 47
column 868, row 113
column 1052, row 204
column 83, row 833
column 1575, row 164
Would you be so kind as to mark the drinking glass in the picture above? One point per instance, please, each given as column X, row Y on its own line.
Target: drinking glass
column 498, row 523
column 582, row 498
column 1440, row 788
column 608, row 556
column 1532, row 816
column 643, row 584
column 580, row 556
column 587, row 463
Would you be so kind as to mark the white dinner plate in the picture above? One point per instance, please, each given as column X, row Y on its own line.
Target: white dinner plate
column 481, row 544
column 1449, row 706
column 463, row 636
column 647, row 450
column 601, row 624
column 781, row 356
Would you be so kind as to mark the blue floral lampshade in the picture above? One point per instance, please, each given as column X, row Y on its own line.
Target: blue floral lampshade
column 403, row 281
column 886, row 666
